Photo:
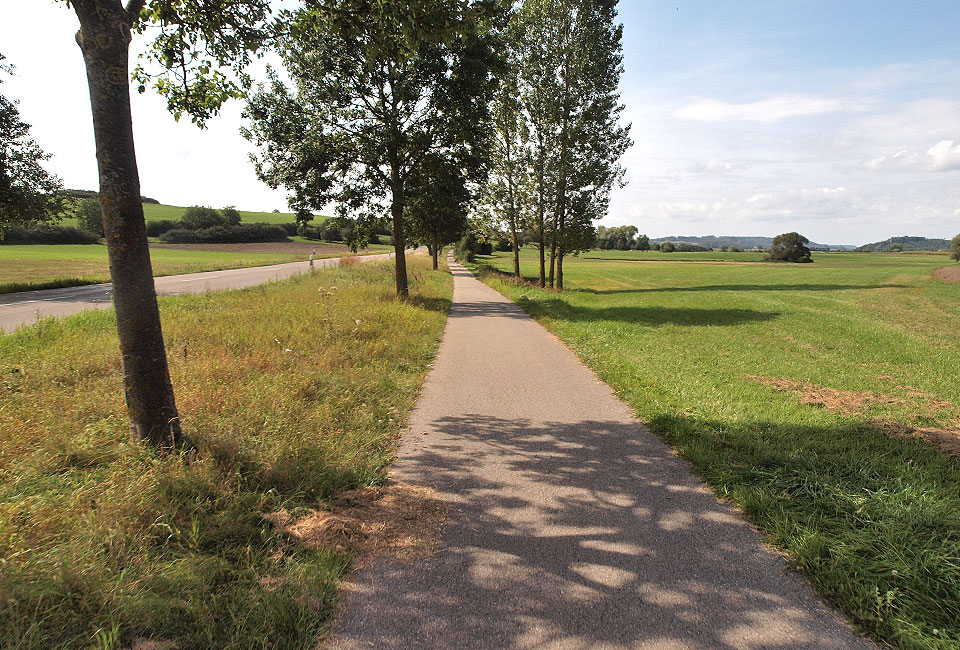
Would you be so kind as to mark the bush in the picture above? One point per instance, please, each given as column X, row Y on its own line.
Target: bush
column 955, row 248
column 48, row 235
column 90, row 216
column 790, row 247
column 311, row 232
column 157, row 228
column 199, row 217
column 470, row 246
column 292, row 229
column 504, row 245
column 241, row 234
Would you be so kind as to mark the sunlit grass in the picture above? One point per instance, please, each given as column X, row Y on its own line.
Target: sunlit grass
column 287, row 394
column 871, row 518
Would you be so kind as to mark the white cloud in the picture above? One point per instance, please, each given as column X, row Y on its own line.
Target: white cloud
column 941, row 157
column 718, row 167
column 772, row 109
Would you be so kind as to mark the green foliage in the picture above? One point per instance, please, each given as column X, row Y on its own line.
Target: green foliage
column 231, row 217
column 643, row 243
column 620, row 238
column 436, row 210
column 955, row 247
column 790, row 247
column 906, row 244
column 198, row 52
column 221, row 234
column 157, row 228
column 667, row 247
column 47, row 234
column 373, row 91
column 197, row 217
column 90, row 215
column 29, row 194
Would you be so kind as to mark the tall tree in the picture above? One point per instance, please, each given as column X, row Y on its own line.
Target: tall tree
column 437, row 206
column 28, row 192
column 572, row 70
column 195, row 39
column 377, row 87
column 507, row 190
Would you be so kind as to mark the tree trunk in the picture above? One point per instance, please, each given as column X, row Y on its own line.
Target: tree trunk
column 515, row 242
column 553, row 250
column 396, row 210
column 104, row 38
column 560, row 269
column 436, row 252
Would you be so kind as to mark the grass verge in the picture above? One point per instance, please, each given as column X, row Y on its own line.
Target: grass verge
column 288, row 396
column 803, row 394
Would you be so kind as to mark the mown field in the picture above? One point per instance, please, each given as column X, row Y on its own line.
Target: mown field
column 25, row 267
column 160, row 211
column 103, row 542
column 822, row 399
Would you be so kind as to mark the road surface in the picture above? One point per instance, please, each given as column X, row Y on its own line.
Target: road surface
column 571, row 527
column 24, row 308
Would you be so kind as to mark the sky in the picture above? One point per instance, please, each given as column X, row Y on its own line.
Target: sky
column 838, row 119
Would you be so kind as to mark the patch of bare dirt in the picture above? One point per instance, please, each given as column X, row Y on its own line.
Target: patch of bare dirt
column 847, row 402
column 277, row 247
column 947, row 274
column 402, row 522
column 946, row 440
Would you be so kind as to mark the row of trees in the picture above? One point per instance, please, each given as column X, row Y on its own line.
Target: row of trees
column 557, row 140
column 399, row 111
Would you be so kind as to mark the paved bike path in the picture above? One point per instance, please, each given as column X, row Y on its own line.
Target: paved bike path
column 570, row 525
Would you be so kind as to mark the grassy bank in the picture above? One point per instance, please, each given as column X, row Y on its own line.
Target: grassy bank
column 42, row 266
column 814, row 396
column 288, row 394
column 160, row 211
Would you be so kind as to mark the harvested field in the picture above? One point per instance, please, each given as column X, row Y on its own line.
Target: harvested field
column 948, row 274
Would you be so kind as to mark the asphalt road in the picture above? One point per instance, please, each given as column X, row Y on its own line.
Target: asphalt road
column 24, row 308
column 571, row 526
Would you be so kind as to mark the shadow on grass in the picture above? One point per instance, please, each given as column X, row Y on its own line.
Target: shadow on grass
column 585, row 534
column 652, row 316
column 430, row 303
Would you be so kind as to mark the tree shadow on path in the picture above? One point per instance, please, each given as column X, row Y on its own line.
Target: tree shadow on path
column 590, row 534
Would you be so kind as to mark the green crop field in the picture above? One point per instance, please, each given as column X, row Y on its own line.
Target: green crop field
column 822, row 399
column 36, row 266
column 105, row 542
column 158, row 212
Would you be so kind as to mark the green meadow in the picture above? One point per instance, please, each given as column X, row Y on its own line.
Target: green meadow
column 160, row 211
column 38, row 266
column 105, row 541
column 821, row 399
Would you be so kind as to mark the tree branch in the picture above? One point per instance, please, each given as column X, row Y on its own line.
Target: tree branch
column 134, row 7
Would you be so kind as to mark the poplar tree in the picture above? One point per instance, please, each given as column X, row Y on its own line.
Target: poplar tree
column 194, row 41
column 572, row 68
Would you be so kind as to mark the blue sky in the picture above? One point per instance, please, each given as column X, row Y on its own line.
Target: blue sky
column 837, row 119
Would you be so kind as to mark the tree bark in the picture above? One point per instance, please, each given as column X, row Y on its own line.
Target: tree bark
column 396, row 210
column 104, row 38
column 515, row 242
column 560, row 255
column 436, row 252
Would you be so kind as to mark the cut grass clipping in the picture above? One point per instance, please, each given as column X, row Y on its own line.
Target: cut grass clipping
column 821, row 398
column 292, row 395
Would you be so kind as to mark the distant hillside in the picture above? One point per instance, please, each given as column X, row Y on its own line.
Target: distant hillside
column 746, row 243
column 907, row 244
